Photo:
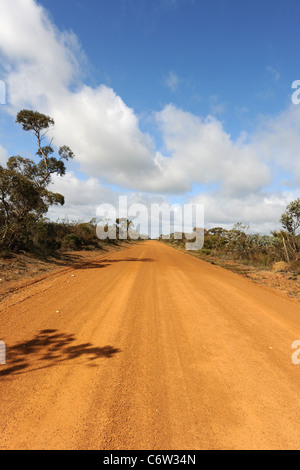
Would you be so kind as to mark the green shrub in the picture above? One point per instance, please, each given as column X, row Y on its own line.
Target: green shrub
column 72, row 241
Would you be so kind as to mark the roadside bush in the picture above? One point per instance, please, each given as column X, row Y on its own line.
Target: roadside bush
column 205, row 251
column 238, row 245
column 280, row 266
column 72, row 242
column 45, row 236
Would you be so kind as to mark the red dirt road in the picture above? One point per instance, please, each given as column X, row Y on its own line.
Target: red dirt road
column 149, row 348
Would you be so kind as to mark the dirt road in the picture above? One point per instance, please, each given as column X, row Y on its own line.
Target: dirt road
column 149, row 348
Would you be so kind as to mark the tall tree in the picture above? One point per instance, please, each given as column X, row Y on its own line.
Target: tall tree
column 290, row 220
column 39, row 125
column 24, row 197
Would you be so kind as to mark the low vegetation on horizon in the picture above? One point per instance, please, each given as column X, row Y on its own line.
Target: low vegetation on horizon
column 280, row 249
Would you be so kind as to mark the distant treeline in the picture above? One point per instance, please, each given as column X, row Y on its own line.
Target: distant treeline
column 261, row 250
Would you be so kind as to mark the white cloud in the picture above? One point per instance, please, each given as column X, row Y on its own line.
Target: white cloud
column 3, row 156
column 261, row 211
column 216, row 106
column 274, row 73
column 81, row 197
column 172, row 81
column 277, row 141
column 207, row 154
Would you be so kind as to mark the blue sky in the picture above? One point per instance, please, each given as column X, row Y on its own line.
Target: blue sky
column 237, row 59
column 198, row 91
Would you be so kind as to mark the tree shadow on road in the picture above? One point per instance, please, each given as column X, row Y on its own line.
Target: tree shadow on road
column 51, row 348
column 103, row 263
